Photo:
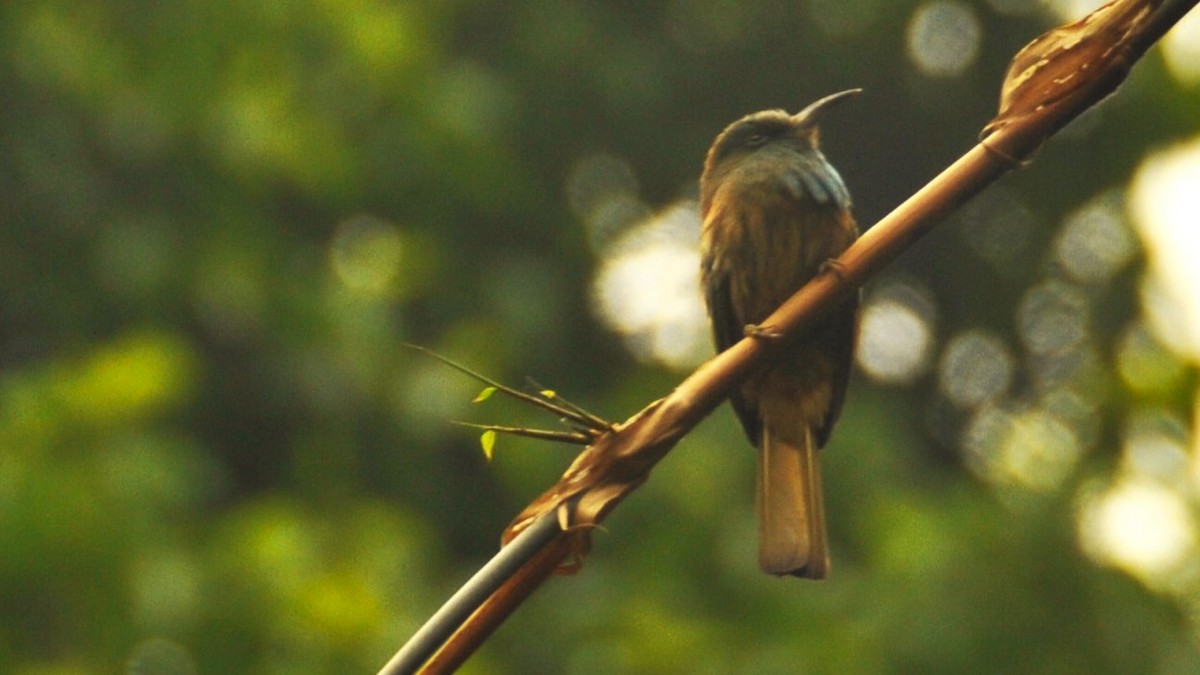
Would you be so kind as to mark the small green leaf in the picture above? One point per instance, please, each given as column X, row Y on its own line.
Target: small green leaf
column 488, row 441
column 548, row 393
column 484, row 395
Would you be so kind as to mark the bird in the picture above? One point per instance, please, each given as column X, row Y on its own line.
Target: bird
column 774, row 214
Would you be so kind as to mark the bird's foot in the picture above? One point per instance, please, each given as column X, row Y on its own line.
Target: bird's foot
column 753, row 330
column 834, row 266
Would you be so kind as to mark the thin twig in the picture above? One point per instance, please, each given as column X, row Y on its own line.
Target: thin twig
column 594, row 422
column 574, row 437
column 537, row 401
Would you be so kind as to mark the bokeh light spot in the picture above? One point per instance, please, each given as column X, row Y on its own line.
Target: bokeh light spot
column 648, row 289
column 426, row 396
column 943, row 38
column 896, row 334
column 1145, row 366
column 602, row 192
column 384, row 37
column 133, row 377
column 1165, row 203
column 1028, row 448
column 976, row 367
column 1095, row 242
column 996, row 226
column 1052, row 317
column 366, row 254
column 1141, row 527
column 1078, row 408
column 1156, row 448
column 1181, row 49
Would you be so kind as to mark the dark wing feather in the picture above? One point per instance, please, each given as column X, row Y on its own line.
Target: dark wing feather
column 840, row 334
column 727, row 330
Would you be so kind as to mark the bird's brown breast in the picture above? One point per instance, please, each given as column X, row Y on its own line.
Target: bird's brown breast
column 770, row 245
column 766, row 244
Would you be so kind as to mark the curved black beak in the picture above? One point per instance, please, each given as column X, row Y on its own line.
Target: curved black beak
column 816, row 109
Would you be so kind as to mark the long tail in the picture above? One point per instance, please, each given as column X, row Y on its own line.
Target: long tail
column 791, row 510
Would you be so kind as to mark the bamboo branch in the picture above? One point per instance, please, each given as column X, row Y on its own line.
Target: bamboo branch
column 503, row 569
column 1050, row 82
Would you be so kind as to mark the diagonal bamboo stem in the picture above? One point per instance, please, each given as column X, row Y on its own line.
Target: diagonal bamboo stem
column 1051, row 82
column 538, row 540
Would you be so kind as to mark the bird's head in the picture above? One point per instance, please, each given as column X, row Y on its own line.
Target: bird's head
column 765, row 137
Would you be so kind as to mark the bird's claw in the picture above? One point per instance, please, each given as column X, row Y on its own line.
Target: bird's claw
column 752, row 330
column 835, row 266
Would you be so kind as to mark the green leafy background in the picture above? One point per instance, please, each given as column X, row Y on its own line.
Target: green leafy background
column 220, row 220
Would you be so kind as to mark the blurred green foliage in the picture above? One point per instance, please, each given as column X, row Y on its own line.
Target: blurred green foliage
column 220, row 220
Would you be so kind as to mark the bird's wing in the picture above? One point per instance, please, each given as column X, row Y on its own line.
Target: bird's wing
column 727, row 330
column 839, row 333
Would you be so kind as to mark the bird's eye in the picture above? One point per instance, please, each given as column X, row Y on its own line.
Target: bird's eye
column 756, row 140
